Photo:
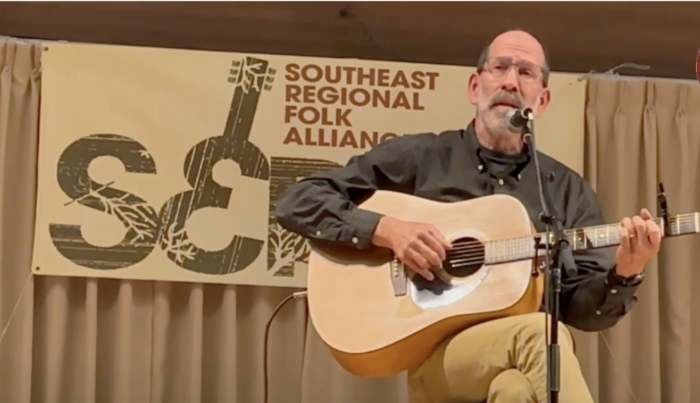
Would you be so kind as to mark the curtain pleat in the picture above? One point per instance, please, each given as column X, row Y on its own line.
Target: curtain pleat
column 641, row 133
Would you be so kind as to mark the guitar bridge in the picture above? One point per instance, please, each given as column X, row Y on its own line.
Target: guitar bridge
column 399, row 280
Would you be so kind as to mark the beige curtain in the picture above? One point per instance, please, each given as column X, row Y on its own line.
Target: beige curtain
column 20, row 75
column 74, row 340
column 640, row 133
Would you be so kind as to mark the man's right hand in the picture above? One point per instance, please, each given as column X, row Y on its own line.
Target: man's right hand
column 419, row 246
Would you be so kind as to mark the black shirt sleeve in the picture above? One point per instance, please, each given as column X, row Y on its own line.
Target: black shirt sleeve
column 595, row 299
column 323, row 206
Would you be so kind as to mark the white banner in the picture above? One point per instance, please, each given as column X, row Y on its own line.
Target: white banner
column 160, row 164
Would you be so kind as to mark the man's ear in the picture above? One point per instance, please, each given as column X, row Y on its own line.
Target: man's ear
column 543, row 102
column 473, row 90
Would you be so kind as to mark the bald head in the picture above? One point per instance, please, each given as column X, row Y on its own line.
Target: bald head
column 517, row 44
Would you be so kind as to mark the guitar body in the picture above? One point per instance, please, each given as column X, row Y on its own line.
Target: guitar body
column 378, row 322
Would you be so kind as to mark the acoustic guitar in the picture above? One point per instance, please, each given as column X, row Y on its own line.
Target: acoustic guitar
column 379, row 319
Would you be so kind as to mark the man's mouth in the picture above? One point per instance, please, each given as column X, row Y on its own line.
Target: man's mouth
column 506, row 105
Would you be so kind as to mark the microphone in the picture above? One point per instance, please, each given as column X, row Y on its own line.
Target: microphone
column 519, row 119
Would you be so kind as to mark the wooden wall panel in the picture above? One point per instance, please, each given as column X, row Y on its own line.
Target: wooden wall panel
column 580, row 36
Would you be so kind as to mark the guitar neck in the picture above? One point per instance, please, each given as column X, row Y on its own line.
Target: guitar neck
column 602, row 236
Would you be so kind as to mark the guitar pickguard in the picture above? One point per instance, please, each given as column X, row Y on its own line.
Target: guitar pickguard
column 439, row 293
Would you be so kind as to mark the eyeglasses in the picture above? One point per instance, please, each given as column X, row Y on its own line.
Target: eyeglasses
column 528, row 72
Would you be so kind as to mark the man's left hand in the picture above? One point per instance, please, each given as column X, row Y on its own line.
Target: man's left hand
column 640, row 239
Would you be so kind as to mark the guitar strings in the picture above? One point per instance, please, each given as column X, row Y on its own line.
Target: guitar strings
column 474, row 252
column 678, row 223
column 475, row 243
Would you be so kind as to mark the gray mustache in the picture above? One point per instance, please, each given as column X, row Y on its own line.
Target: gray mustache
column 506, row 99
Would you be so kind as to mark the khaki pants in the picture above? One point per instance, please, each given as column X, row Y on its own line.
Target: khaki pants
column 502, row 361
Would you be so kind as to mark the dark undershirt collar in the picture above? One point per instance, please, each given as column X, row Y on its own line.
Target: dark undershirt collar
column 496, row 163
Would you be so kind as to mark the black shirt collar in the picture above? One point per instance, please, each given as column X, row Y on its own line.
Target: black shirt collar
column 496, row 163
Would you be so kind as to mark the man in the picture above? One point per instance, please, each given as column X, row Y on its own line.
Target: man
column 502, row 361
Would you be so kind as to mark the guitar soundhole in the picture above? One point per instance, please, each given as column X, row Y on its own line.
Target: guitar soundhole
column 466, row 257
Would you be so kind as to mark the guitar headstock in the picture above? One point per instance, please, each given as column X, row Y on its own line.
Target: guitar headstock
column 674, row 225
column 252, row 74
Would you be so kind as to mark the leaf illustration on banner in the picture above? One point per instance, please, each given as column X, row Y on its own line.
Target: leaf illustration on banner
column 135, row 214
column 252, row 76
column 302, row 250
column 286, row 248
column 177, row 244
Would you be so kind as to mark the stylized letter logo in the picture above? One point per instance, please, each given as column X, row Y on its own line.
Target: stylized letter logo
column 146, row 227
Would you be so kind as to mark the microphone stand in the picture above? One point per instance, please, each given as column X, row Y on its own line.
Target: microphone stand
column 559, row 255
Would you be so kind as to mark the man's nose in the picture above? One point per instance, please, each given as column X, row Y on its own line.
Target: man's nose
column 511, row 81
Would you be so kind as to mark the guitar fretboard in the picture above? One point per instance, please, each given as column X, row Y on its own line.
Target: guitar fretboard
column 522, row 248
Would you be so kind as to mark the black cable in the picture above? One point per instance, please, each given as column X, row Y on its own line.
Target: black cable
column 299, row 294
column 347, row 13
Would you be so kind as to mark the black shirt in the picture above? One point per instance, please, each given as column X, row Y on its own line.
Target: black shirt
column 452, row 166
